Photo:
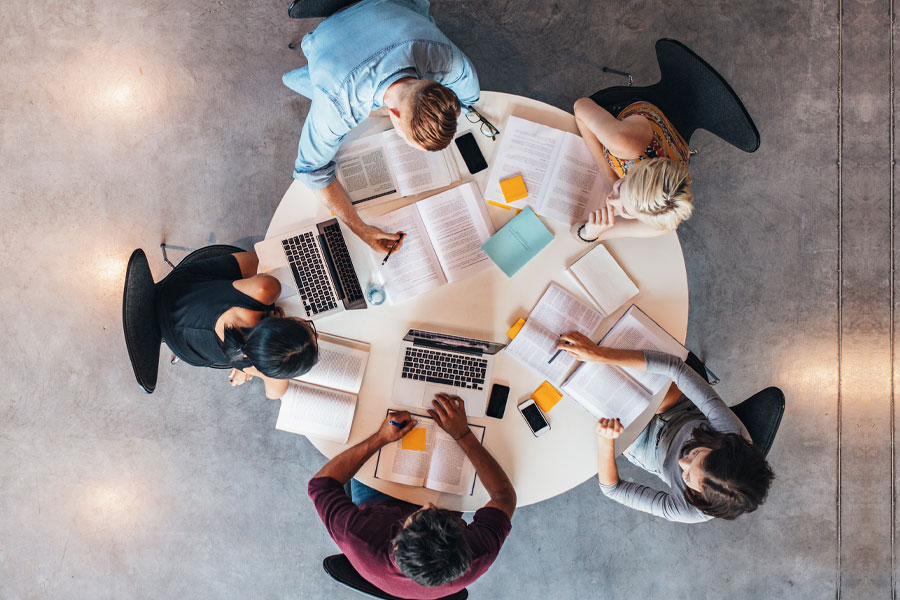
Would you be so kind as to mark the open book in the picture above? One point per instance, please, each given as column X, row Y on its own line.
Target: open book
column 321, row 402
column 562, row 179
column 384, row 166
column 556, row 313
column 604, row 281
column 619, row 392
column 429, row 457
column 444, row 234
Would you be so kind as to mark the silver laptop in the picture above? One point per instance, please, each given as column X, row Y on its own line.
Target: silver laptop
column 315, row 262
column 432, row 363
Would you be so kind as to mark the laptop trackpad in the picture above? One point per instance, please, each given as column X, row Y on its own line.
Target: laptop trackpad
column 285, row 276
column 432, row 389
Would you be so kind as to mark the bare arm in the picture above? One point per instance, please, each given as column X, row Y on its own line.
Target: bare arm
column 625, row 139
column 607, row 472
column 336, row 199
column 582, row 348
column 346, row 464
column 450, row 414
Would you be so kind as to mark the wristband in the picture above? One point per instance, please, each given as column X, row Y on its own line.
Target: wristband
column 463, row 435
column 578, row 233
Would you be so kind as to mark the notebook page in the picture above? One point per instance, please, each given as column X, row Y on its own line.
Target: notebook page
column 362, row 168
column 607, row 391
column 450, row 469
column 528, row 149
column 414, row 268
column 416, row 170
column 407, row 466
column 316, row 412
column 603, row 279
column 341, row 365
column 458, row 224
column 576, row 186
column 534, row 346
column 636, row 331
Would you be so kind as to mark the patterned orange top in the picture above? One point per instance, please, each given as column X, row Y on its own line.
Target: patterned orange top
column 667, row 142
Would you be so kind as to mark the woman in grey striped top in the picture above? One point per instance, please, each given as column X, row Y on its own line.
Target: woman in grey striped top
column 694, row 443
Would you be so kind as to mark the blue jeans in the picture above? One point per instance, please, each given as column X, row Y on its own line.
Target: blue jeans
column 360, row 493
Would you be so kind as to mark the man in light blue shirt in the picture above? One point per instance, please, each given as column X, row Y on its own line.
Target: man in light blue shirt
column 377, row 53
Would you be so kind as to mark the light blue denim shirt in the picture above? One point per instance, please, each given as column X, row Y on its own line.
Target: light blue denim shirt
column 353, row 57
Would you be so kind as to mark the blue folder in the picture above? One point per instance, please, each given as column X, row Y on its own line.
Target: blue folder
column 517, row 242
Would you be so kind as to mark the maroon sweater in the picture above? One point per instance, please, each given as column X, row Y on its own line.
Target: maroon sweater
column 364, row 535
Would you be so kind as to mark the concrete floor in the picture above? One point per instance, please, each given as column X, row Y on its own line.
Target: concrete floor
column 124, row 124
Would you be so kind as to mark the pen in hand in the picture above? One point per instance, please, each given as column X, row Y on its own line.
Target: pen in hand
column 398, row 423
column 552, row 358
column 393, row 246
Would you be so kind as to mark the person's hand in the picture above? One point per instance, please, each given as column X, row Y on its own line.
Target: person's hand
column 238, row 377
column 450, row 414
column 380, row 241
column 598, row 222
column 388, row 433
column 578, row 345
column 609, row 428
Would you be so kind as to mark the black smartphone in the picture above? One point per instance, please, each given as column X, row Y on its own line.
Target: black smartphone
column 497, row 403
column 471, row 153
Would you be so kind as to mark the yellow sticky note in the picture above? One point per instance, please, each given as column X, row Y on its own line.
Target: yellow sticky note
column 414, row 440
column 546, row 396
column 513, row 189
column 515, row 329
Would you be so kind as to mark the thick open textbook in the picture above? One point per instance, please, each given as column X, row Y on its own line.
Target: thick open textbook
column 321, row 403
column 604, row 281
column 444, row 234
column 429, row 457
column 562, row 179
column 609, row 391
column 556, row 313
column 383, row 166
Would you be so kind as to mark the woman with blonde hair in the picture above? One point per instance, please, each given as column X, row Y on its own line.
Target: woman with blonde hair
column 646, row 162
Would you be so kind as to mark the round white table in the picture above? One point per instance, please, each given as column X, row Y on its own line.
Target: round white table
column 486, row 306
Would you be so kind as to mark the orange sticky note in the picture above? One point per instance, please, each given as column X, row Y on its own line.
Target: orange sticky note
column 515, row 329
column 546, row 396
column 414, row 440
column 513, row 189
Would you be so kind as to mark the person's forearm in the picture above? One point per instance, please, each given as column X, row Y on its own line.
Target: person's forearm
column 346, row 464
column 630, row 228
column 336, row 199
column 598, row 152
column 607, row 472
column 492, row 475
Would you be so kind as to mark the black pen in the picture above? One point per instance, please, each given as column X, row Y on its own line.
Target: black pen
column 394, row 245
column 552, row 358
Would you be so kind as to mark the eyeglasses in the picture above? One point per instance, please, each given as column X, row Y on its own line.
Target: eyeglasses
column 487, row 128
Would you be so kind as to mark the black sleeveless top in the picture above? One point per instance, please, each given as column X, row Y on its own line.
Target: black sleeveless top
column 190, row 301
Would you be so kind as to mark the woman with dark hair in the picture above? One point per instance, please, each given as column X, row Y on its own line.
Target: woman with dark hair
column 694, row 443
column 219, row 311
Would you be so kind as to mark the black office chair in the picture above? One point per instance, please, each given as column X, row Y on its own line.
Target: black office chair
column 316, row 9
column 339, row 568
column 761, row 413
column 142, row 334
column 691, row 94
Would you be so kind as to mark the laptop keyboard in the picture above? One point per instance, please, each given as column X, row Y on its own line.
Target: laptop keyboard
column 422, row 364
column 309, row 272
column 342, row 262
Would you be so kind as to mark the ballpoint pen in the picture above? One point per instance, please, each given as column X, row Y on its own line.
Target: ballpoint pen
column 394, row 245
column 397, row 423
column 552, row 358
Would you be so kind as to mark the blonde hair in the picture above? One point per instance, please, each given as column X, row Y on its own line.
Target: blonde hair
column 435, row 109
column 660, row 190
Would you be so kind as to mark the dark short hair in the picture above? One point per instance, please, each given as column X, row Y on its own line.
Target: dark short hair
column 435, row 109
column 736, row 474
column 431, row 549
column 279, row 347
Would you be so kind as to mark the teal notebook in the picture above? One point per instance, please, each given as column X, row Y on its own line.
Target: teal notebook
column 517, row 242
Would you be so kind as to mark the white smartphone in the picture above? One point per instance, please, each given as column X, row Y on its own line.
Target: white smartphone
column 534, row 417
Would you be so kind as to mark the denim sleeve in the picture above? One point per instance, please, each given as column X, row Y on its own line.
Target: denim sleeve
column 721, row 418
column 323, row 131
column 657, row 503
column 463, row 80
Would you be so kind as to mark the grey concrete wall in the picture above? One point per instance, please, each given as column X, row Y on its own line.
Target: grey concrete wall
column 124, row 124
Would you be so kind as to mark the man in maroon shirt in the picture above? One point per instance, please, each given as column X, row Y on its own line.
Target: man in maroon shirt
column 407, row 550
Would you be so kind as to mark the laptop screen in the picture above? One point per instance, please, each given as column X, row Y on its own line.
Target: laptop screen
column 444, row 341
